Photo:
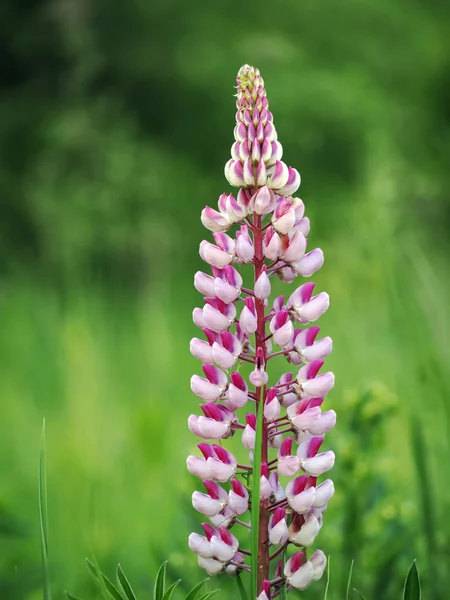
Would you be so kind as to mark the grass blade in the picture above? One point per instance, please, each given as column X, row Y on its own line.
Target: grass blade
column 208, row 595
column 160, row 582
column 111, row 588
column 196, row 589
column 349, row 580
column 42, row 490
column 241, row 588
column 256, row 495
column 412, row 584
column 360, row 596
column 168, row 593
column 70, row 597
column 122, row 579
column 328, row 578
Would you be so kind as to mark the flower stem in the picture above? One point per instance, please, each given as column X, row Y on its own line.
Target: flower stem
column 260, row 339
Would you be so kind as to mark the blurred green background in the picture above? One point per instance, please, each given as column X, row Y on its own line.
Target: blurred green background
column 116, row 120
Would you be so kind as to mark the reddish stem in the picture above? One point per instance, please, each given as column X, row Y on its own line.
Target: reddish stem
column 260, row 339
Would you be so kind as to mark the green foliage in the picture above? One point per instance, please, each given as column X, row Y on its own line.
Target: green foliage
column 412, row 584
column 123, row 590
column 42, row 493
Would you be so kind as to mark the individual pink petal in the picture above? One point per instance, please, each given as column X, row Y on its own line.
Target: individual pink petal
column 283, row 218
column 319, row 386
column 206, row 505
column 214, row 255
column 263, row 201
column 197, row 317
column 262, row 286
column 280, row 175
column 200, row 545
column 248, row 173
column 211, row 565
column 214, row 221
column 272, row 244
column 307, row 533
column 314, row 308
column 237, row 392
column 215, row 320
column 261, row 174
column 292, row 184
column 288, row 466
column 319, row 464
column 235, row 173
column 201, row 350
column 204, row 389
column 310, row 263
column 248, row 321
column 244, row 245
column 319, row 562
column 204, row 284
column 198, row 466
column 296, row 248
column 324, row 493
column 298, row 573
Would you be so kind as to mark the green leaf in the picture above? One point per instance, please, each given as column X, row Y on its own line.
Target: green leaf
column 93, row 569
column 360, row 596
column 125, row 584
column 111, row 588
column 256, row 495
column 42, row 491
column 70, row 597
column 168, row 593
column 412, row 584
column 208, row 595
column 241, row 588
column 196, row 589
column 328, row 578
column 349, row 580
column 160, row 582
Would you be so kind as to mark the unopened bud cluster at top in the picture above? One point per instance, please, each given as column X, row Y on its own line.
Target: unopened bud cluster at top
column 239, row 326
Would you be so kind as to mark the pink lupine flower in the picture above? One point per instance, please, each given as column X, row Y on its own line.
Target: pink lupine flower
column 324, row 493
column 213, row 502
column 224, row 545
column 304, row 306
column 303, row 529
column 298, row 571
column 278, row 529
column 248, row 320
column 312, row 463
column 310, row 384
column 264, row 228
column 282, row 328
column 212, row 387
column 294, row 248
column 272, row 244
column 288, row 465
column 310, row 350
column 300, row 495
column 238, row 497
column 272, row 406
column 236, row 395
column 265, row 594
column 217, row 422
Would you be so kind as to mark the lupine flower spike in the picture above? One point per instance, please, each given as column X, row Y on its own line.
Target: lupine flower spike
column 281, row 423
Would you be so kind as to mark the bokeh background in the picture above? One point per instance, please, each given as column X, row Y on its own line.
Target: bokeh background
column 116, row 119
